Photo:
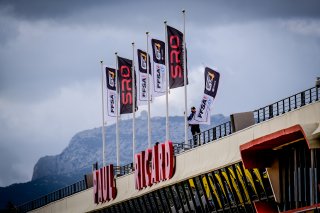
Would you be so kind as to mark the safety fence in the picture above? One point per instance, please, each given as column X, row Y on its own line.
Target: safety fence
column 53, row 196
column 287, row 104
column 123, row 170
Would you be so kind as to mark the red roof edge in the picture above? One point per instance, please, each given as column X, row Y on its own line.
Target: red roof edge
column 258, row 153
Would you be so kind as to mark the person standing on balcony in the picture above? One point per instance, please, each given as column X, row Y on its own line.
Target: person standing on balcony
column 195, row 128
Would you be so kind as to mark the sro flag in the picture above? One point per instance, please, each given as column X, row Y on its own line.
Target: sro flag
column 203, row 113
column 109, row 89
column 143, row 77
column 159, row 73
column 125, row 85
column 175, row 55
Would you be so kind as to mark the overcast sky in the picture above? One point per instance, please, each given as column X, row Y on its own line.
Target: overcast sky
column 50, row 71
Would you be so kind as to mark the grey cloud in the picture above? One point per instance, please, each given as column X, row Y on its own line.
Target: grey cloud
column 218, row 10
column 8, row 27
column 46, row 9
column 58, row 52
column 53, row 46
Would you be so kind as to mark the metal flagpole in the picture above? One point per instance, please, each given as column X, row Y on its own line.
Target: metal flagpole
column 133, row 107
column 102, row 129
column 185, row 78
column 167, row 83
column 117, row 112
column 148, row 88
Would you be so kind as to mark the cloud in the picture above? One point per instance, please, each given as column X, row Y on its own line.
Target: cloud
column 51, row 50
column 307, row 27
column 255, row 58
column 8, row 30
column 30, row 131
column 47, row 55
column 38, row 9
column 137, row 14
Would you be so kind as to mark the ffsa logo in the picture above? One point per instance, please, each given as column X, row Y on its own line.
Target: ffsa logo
column 157, row 50
column 144, row 86
column 204, row 107
column 160, row 71
column 209, row 81
column 112, row 103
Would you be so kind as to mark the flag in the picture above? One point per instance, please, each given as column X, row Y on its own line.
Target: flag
column 125, row 85
column 109, row 88
column 143, row 77
column 175, row 56
column 203, row 113
column 159, row 73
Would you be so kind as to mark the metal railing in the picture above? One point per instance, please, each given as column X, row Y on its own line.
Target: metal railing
column 262, row 114
column 204, row 137
column 53, row 196
column 287, row 104
column 123, row 170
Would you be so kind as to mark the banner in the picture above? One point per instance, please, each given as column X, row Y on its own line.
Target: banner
column 109, row 88
column 125, row 85
column 159, row 73
column 143, row 76
column 175, row 55
column 203, row 113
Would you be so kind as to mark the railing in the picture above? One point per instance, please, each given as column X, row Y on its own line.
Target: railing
column 204, row 137
column 265, row 113
column 123, row 170
column 287, row 104
column 278, row 108
column 53, row 196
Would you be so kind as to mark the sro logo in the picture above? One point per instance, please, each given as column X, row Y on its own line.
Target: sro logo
column 175, row 55
column 126, row 85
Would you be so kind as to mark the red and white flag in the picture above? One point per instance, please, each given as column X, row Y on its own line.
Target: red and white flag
column 175, row 58
column 125, row 90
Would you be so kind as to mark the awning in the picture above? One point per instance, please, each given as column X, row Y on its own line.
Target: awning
column 258, row 152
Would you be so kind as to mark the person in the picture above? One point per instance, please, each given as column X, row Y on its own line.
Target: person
column 195, row 128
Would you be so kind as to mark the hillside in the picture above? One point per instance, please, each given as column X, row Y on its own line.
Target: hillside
column 85, row 148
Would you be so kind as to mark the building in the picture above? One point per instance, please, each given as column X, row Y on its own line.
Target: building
column 267, row 162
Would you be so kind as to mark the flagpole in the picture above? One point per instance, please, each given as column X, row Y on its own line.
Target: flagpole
column 167, row 83
column 133, row 106
column 102, row 129
column 185, row 78
column 117, row 112
column 148, row 88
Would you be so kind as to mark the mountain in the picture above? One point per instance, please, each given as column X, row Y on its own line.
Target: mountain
column 53, row 172
column 20, row 193
column 85, row 148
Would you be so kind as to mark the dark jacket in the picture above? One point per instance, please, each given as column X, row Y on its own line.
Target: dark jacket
column 195, row 128
column 191, row 116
